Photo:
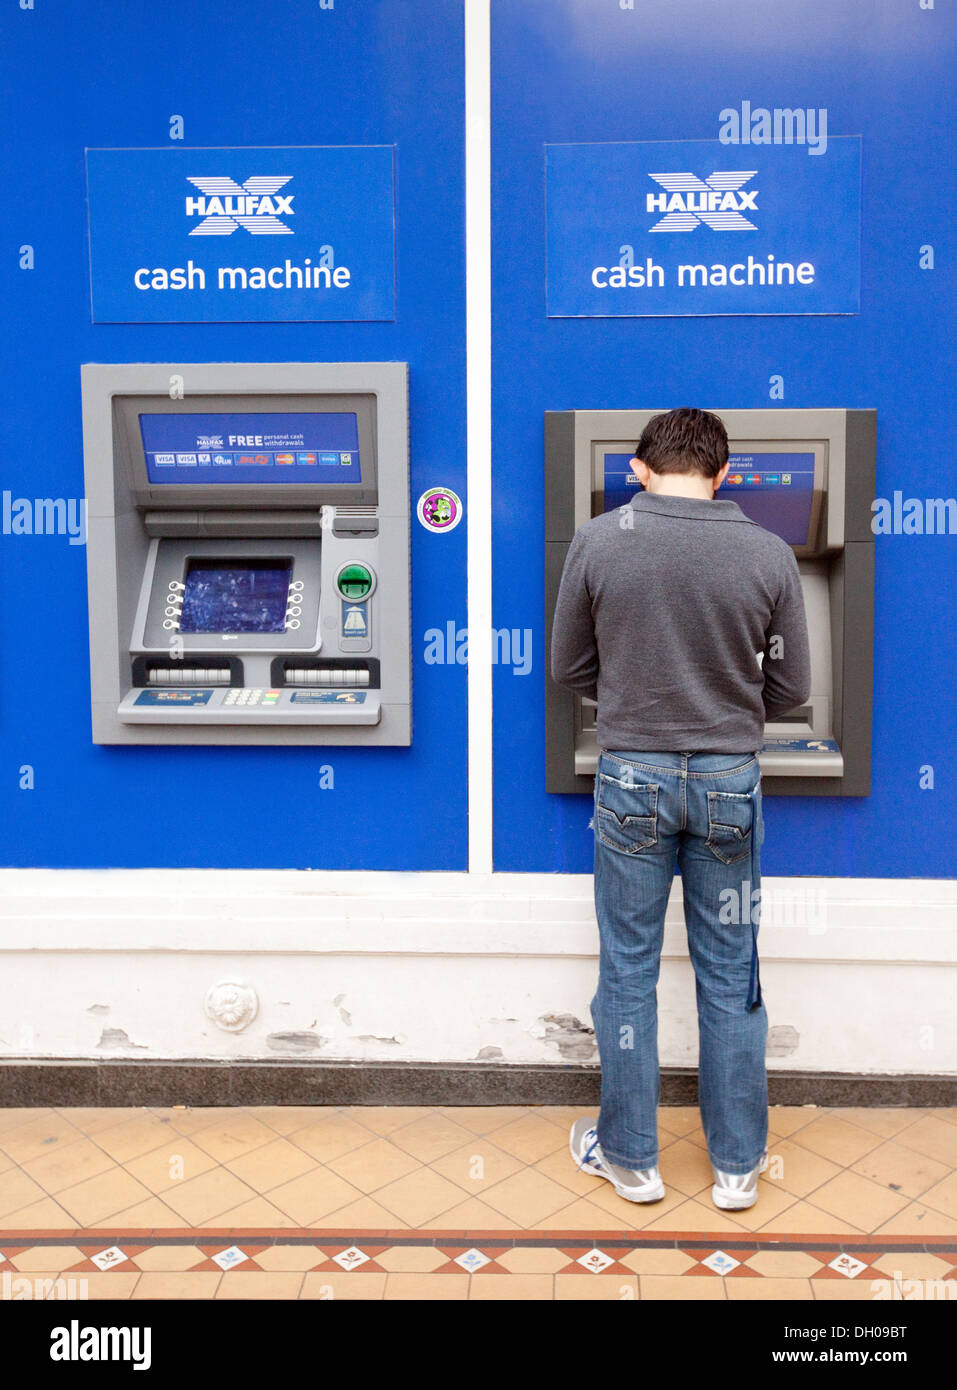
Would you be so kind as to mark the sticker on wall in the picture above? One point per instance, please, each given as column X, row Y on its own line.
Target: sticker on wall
column 698, row 227
column 439, row 509
column 272, row 234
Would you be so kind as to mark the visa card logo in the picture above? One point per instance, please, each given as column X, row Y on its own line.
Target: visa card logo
column 226, row 205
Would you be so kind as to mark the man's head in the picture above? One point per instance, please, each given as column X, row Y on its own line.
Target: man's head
column 692, row 443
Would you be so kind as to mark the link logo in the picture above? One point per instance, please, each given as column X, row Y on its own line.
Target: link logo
column 716, row 201
column 227, row 205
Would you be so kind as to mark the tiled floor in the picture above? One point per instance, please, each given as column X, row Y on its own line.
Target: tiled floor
column 459, row 1203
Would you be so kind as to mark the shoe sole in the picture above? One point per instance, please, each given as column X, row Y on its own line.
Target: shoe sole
column 596, row 1173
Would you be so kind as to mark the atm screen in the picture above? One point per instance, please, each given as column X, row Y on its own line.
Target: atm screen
column 775, row 490
column 240, row 596
column 314, row 447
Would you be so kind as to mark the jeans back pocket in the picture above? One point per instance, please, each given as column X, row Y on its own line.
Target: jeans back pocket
column 626, row 814
column 730, row 825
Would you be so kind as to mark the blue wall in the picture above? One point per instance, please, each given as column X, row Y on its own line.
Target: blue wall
column 244, row 72
column 587, row 70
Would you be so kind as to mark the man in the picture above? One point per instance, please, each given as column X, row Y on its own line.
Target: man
column 685, row 620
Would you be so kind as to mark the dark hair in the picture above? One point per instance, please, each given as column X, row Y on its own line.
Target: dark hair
column 684, row 441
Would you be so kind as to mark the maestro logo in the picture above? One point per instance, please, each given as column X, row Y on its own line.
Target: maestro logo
column 718, row 201
column 226, row 205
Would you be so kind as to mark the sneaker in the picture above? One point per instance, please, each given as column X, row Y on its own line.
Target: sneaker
column 736, row 1191
column 634, row 1184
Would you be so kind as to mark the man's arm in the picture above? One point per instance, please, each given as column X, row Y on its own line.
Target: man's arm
column 574, row 650
column 787, row 661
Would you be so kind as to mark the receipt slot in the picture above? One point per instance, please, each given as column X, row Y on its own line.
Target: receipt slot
column 248, row 552
column 808, row 476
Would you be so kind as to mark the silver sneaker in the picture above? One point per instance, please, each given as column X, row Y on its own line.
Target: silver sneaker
column 634, row 1184
column 737, row 1191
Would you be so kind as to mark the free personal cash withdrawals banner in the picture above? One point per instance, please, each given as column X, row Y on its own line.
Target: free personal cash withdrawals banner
column 239, row 235
column 701, row 227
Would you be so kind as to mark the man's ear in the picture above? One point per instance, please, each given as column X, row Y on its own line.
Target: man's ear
column 720, row 477
column 641, row 471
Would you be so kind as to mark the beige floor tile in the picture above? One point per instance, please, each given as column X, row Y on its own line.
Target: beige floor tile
column 266, row 1167
column 487, row 1288
column 412, row 1259
column 843, row 1290
column 430, row 1137
column 330, row 1136
column 945, row 1113
column 12, row 1116
column 797, row 1170
column 900, row 1169
column 478, row 1165
column 483, row 1119
column 364, row 1214
column 46, row 1257
column 768, row 1290
column 313, row 1196
column 252, row 1284
column 343, row 1288
column 290, row 1257
column 865, row 1204
column 619, row 1288
column 784, row 1264
column 6, row 1162
column 199, row 1283
column 836, row 1139
column 51, row 1285
column 633, row 1214
column 101, row 1197
column 236, row 1134
column 562, row 1168
column 918, row 1219
column 692, row 1215
column 883, row 1121
column 150, row 1215
column 943, row 1195
column 528, row 1197
column 190, row 1119
column 92, row 1120
column 175, row 1161
column 531, row 1137
column 584, row 1215
column 67, row 1164
column 258, row 1211
column 680, row 1120
column 17, row 1189
column 136, row 1136
column 532, row 1259
column 168, row 1259
column 200, row 1201
column 111, row 1284
column 44, row 1215
column 289, row 1119
column 673, row 1262
column 427, row 1288
column 772, row 1202
column 383, row 1119
column 685, row 1166
column 373, row 1165
column 912, row 1264
column 34, row 1138
column 419, row 1197
column 660, row 1286
column 803, row 1218
column 473, row 1215
column 785, row 1120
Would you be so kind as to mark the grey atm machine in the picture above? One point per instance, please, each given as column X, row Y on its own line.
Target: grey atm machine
column 248, row 552
column 807, row 475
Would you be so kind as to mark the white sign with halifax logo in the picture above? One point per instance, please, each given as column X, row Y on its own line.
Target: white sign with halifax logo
column 246, row 234
column 699, row 227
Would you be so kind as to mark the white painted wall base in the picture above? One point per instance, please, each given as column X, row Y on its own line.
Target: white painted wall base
column 858, row 974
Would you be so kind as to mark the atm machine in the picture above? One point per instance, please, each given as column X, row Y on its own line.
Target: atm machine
column 807, row 475
column 248, row 552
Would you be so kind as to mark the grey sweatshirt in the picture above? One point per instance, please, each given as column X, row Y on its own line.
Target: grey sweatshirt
column 662, row 609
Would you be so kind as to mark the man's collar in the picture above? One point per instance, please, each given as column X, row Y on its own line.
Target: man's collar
column 698, row 508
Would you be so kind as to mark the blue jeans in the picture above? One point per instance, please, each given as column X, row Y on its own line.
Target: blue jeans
column 701, row 813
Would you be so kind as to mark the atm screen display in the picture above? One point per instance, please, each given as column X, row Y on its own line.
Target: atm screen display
column 775, row 490
column 238, row 596
column 300, row 447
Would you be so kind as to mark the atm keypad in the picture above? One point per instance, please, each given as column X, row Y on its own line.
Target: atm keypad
column 252, row 697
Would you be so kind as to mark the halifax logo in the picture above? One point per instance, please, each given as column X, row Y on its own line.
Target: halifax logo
column 227, row 205
column 716, row 201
